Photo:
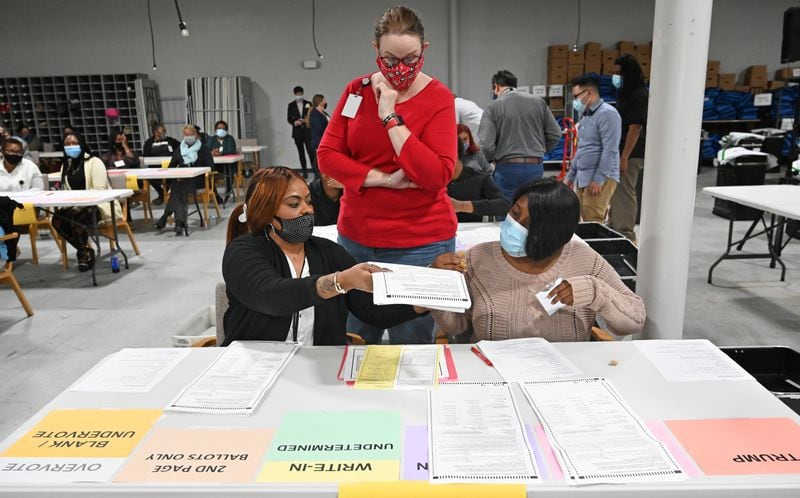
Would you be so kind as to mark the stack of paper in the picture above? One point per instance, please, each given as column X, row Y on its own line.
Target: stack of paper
column 430, row 288
column 528, row 359
column 596, row 436
column 398, row 367
column 237, row 380
column 476, row 435
column 132, row 370
column 354, row 355
column 688, row 360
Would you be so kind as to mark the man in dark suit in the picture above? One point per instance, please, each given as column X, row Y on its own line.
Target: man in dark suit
column 295, row 113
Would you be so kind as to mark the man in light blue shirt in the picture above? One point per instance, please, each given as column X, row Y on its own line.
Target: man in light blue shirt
column 595, row 169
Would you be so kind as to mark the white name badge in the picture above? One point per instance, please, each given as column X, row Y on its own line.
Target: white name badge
column 119, row 164
column 351, row 106
column 169, row 147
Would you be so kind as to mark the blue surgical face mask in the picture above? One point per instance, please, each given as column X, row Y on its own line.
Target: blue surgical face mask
column 72, row 151
column 578, row 105
column 190, row 140
column 222, row 133
column 494, row 95
column 616, row 80
column 513, row 237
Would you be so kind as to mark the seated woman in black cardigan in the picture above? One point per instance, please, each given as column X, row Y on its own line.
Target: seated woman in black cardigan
column 282, row 283
column 191, row 152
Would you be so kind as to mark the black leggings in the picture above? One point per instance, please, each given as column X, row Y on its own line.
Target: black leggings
column 71, row 223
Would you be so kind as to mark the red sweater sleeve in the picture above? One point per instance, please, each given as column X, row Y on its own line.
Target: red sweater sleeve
column 333, row 154
column 429, row 160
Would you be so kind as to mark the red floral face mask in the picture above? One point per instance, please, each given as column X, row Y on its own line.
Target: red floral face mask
column 400, row 76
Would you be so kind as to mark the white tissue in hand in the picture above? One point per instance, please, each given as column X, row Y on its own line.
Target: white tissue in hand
column 545, row 301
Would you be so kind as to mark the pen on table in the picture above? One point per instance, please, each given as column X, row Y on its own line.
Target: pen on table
column 480, row 355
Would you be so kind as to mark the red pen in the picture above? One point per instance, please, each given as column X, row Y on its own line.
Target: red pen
column 480, row 355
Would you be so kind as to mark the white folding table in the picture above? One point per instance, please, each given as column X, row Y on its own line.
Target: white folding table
column 47, row 199
column 309, row 384
column 225, row 161
column 780, row 202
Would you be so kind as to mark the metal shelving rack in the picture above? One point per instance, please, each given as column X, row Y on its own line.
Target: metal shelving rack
column 48, row 103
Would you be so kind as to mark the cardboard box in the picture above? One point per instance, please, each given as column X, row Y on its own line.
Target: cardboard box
column 596, row 68
column 593, row 58
column 557, row 65
column 592, row 48
column 557, row 77
column 573, row 71
column 742, row 88
column 712, row 81
column 609, row 56
column 774, row 85
column 756, row 76
column 626, row 47
column 783, row 74
column 712, row 67
column 727, row 81
column 645, row 69
column 575, row 58
column 609, row 69
column 556, row 103
column 557, row 52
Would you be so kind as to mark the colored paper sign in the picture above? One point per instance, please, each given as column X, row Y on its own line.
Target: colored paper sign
column 58, row 470
column 85, row 433
column 334, row 447
column 741, row 446
column 419, row 489
column 660, row 431
column 197, row 455
column 327, row 471
column 415, row 453
column 337, row 436
column 379, row 368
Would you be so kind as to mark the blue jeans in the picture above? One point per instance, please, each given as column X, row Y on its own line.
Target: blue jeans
column 418, row 330
column 511, row 176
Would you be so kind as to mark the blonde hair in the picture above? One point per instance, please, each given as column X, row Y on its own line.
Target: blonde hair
column 189, row 127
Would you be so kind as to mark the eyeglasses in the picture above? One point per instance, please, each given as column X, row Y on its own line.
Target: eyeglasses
column 576, row 97
column 393, row 61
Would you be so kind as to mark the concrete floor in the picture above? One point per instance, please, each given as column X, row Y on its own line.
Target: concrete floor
column 76, row 325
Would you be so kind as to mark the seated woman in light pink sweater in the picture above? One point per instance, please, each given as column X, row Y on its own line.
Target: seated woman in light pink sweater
column 535, row 249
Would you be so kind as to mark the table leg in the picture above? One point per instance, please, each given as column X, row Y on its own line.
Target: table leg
column 727, row 249
column 748, row 233
column 775, row 257
column 117, row 245
column 95, row 236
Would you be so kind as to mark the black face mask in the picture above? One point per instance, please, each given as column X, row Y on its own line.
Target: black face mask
column 296, row 230
column 13, row 159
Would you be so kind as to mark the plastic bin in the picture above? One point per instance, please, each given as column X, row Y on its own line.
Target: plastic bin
column 593, row 230
column 746, row 170
column 777, row 368
column 622, row 255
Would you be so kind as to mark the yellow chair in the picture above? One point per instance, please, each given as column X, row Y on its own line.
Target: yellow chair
column 6, row 274
column 27, row 217
column 206, row 196
column 139, row 195
column 122, row 222
column 599, row 334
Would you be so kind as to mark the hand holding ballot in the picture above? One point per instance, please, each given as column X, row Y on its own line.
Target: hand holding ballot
column 454, row 261
column 359, row 277
column 429, row 288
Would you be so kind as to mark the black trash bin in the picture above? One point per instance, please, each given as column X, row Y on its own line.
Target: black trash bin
column 592, row 230
column 777, row 368
column 621, row 254
column 744, row 170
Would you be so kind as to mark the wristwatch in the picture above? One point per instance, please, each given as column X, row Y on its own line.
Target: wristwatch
column 398, row 121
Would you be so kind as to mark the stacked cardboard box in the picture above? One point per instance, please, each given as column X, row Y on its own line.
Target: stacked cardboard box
column 593, row 57
column 756, row 76
column 608, row 57
column 787, row 73
column 643, row 53
column 741, row 88
column 556, row 104
column 727, row 81
column 557, row 57
column 626, row 47
column 712, row 80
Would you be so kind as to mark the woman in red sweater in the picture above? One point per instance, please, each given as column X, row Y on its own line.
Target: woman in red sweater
column 392, row 144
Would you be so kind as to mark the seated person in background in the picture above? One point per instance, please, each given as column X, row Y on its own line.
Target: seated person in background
column 221, row 144
column 81, row 170
column 473, row 158
column 474, row 195
column 5, row 134
column 34, row 144
column 190, row 153
column 201, row 134
column 17, row 172
column 119, row 154
column 159, row 145
column 282, row 283
column 535, row 249
column 325, row 195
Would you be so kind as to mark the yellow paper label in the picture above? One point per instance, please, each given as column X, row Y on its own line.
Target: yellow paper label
column 359, row 471
column 85, row 433
column 422, row 489
column 379, row 367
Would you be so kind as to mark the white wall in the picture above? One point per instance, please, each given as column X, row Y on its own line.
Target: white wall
column 267, row 40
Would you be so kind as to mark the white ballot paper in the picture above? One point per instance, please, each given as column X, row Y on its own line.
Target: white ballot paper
column 466, row 238
column 355, row 355
column 418, row 367
column 596, row 436
column 475, row 434
column 131, row 370
column 237, row 380
column 689, row 360
column 431, row 288
column 528, row 359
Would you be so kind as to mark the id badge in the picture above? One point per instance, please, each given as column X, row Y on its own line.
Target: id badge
column 351, row 106
column 119, row 164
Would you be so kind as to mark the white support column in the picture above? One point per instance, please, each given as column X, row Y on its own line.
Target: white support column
column 452, row 49
column 681, row 29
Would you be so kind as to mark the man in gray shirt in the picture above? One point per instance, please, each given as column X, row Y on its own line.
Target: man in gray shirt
column 516, row 130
